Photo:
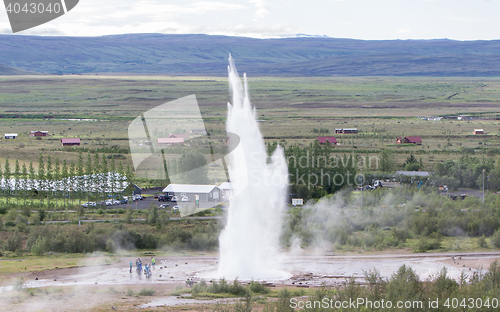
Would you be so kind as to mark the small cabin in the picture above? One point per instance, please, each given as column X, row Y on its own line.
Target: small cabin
column 70, row 142
column 169, row 141
column 39, row 133
column 409, row 140
column 323, row 140
column 478, row 131
column 10, row 136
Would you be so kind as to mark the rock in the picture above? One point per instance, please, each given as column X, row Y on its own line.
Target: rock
column 36, row 278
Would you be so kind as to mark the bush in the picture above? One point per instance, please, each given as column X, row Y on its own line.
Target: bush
column 258, row 288
column 495, row 239
column 14, row 242
column 41, row 246
column 482, row 242
column 147, row 292
column 425, row 244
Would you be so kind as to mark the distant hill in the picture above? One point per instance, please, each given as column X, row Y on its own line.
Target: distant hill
column 7, row 70
column 207, row 55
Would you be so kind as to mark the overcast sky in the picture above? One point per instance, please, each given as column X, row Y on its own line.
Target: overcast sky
column 359, row 19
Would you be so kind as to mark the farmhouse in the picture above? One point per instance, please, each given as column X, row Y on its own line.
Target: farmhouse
column 347, row 130
column 39, row 133
column 205, row 192
column 478, row 131
column 10, row 136
column 323, row 140
column 70, row 141
column 409, row 140
column 169, row 141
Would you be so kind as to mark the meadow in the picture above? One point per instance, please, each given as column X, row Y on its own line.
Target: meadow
column 290, row 110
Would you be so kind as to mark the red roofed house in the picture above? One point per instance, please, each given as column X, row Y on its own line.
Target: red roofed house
column 38, row 133
column 323, row 140
column 169, row 141
column 407, row 140
column 70, row 141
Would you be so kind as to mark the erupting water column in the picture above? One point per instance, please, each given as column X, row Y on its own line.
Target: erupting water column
column 249, row 244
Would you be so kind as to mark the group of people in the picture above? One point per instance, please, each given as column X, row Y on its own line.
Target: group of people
column 147, row 267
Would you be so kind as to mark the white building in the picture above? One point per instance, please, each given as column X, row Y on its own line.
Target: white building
column 10, row 135
column 205, row 192
column 226, row 190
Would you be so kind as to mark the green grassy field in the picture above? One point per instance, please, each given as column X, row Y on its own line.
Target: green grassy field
column 290, row 109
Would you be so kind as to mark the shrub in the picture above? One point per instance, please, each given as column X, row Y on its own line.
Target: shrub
column 495, row 239
column 147, row 292
column 258, row 288
column 14, row 242
column 41, row 246
column 481, row 242
column 425, row 244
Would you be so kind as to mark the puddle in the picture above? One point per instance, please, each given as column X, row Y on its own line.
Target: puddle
column 174, row 301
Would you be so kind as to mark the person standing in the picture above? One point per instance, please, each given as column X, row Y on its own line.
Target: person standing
column 130, row 266
column 153, row 262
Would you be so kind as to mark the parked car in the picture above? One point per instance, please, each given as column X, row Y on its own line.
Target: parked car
column 138, row 197
column 163, row 206
column 114, row 201
column 162, row 198
column 124, row 200
column 185, row 199
column 443, row 188
column 174, row 198
column 89, row 204
column 176, row 208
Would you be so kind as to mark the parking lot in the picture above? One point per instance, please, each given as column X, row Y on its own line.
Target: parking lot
column 149, row 197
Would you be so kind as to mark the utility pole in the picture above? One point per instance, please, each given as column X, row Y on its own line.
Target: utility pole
column 483, row 188
column 361, row 182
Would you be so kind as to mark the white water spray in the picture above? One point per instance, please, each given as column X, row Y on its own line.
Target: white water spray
column 249, row 244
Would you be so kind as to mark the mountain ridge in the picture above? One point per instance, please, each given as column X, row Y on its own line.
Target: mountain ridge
column 207, row 55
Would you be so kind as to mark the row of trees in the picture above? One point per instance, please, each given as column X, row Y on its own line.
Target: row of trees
column 69, row 181
column 468, row 172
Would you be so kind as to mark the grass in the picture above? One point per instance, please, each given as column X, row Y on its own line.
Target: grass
column 381, row 108
column 13, row 265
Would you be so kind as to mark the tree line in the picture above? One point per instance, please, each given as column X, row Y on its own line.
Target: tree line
column 91, row 179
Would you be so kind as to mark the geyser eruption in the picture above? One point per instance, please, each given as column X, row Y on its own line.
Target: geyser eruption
column 249, row 244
